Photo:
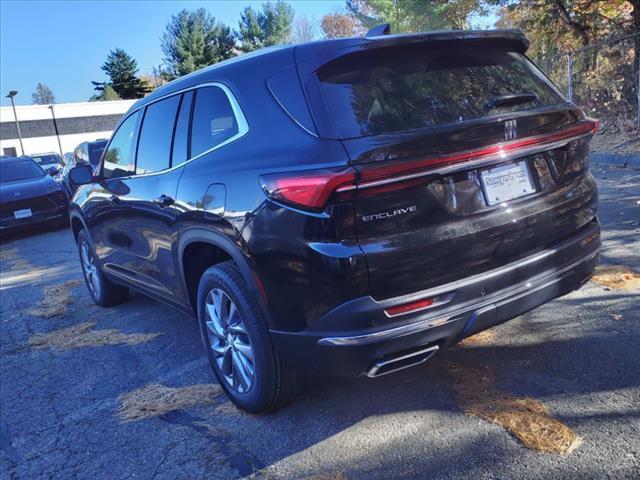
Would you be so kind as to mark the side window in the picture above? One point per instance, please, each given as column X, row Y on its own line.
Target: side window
column 181, row 137
column 118, row 159
column 213, row 120
column 154, row 146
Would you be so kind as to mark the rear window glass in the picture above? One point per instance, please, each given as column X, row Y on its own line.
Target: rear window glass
column 14, row 171
column 398, row 89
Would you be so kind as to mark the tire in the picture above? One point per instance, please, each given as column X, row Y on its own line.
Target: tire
column 272, row 382
column 103, row 291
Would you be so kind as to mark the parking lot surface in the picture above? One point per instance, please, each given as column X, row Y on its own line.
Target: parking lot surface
column 95, row 398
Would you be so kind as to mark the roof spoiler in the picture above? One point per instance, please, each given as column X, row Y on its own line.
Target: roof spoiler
column 378, row 30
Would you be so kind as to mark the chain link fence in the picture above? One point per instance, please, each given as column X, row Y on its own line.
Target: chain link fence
column 603, row 79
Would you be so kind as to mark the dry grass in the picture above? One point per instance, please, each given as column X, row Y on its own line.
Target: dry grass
column 331, row 476
column 479, row 339
column 13, row 259
column 56, row 299
column 84, row 335
column 155, row 399
column 618, row 277
column 526, row 418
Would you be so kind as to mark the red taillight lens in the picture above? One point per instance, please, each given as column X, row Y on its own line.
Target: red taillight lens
column 308, row 190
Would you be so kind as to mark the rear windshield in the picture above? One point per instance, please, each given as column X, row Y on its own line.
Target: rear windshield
column 398, row 89
column 23, row 170
column 46, row 159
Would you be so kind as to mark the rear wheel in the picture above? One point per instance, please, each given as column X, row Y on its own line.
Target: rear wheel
column 238, row 344
column 103, row 291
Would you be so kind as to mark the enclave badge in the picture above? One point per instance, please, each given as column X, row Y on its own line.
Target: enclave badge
column 393, row 213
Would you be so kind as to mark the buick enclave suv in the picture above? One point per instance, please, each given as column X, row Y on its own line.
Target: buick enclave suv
column 347, row 207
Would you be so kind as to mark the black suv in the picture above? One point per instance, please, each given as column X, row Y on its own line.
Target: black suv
column 347, row 206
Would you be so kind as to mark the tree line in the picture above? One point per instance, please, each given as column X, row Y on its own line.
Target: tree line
column 192, row 40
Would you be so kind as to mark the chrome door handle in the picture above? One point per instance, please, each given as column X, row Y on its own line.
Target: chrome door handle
column 163, row 201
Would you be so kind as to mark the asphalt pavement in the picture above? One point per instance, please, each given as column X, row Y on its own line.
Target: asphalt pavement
column 60, row 407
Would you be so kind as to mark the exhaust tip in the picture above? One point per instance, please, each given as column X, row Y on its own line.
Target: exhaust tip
column 400, row 361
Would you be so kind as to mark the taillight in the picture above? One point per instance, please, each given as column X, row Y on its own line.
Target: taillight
column 308, row 190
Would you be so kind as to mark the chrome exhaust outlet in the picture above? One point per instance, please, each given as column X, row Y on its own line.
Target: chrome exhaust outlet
column 404, row 360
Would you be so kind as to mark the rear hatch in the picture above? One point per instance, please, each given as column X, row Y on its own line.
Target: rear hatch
column 466, row 156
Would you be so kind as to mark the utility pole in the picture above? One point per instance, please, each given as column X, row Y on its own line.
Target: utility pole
column 12, row 94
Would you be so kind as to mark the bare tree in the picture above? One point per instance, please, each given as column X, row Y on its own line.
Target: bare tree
column 43, row 95
column 336, row 25
column 305, row 29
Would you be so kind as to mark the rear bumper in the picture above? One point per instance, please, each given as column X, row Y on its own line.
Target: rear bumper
column 338, row 345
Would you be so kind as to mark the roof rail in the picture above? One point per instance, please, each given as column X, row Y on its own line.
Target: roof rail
column 382, row 29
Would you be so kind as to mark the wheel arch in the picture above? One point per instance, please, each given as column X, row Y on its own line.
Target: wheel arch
column 195, row 236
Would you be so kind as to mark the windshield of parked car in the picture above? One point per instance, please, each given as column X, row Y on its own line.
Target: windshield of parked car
column 46, row 159
column 404, row 88
column 20, row 170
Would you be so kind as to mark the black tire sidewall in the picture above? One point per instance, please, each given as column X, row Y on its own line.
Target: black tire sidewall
column 261, row 395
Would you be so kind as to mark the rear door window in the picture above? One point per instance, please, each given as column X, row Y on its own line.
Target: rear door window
column 118, row 159
column 154, row 147
column 399, row 89
column 213, row 122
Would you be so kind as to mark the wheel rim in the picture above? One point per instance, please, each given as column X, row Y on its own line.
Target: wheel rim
column 90, row 269
column 229, row 341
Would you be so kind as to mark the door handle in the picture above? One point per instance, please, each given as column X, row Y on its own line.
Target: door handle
column 114, row 199
column 163, row 201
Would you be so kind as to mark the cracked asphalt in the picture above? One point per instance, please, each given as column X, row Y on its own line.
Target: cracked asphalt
column 579, row 355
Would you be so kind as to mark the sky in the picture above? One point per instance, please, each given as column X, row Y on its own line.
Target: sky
column 64, row 43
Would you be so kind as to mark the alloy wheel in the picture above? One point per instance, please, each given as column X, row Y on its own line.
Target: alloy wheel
column 90, row 269
column 229, row 341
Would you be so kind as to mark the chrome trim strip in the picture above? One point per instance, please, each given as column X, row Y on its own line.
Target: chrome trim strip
column 243, row 126
column 479, row 162
column 437, row 321
column 373, row 371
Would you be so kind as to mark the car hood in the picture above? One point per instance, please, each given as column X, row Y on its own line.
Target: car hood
column 22, row 189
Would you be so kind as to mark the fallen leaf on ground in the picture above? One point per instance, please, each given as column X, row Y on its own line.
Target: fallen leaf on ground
column 84, row 335
column 618, row 277
column 526, row 418
column 55, row 300
column 481, row 338
column 155, row 399
column 616, row 317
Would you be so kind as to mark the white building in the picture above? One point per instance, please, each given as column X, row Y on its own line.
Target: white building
column 74, row 123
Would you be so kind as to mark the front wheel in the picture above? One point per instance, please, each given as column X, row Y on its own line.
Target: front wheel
column 103, row 291
column 238, row 344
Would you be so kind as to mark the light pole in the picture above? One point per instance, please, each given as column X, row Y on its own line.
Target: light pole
column 12, row 94
column 55, row 126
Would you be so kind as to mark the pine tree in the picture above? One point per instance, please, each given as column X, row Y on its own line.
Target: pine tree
column 270, row 26
column 121, row 69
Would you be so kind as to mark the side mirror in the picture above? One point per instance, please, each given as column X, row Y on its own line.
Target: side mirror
column 81, row 174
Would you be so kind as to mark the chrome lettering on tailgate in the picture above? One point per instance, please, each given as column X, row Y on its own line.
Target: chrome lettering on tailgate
column 393, row 213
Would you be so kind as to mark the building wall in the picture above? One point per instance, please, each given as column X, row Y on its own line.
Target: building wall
column 76, row 123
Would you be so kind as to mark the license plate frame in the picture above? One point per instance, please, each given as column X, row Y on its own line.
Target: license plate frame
column 505, row 182
column 23, row 213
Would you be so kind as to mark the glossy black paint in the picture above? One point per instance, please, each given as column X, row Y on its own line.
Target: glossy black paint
column 146, row 229
column 42, row 195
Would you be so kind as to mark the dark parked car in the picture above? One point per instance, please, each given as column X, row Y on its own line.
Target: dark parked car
column 28, row 195
column 348, row 207
column 51, row 162
column 87, row 153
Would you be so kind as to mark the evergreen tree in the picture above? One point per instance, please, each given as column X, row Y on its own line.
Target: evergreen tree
column 270, row 26
column 43, row 95
column 108, row 93
column 194, row 40
column 121, row 69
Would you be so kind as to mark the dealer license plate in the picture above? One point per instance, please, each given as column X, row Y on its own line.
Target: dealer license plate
column 22, row 213
column 506, row 182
